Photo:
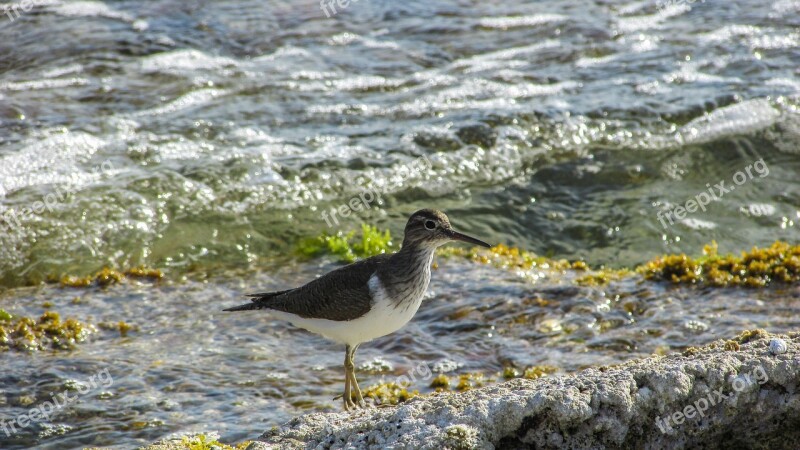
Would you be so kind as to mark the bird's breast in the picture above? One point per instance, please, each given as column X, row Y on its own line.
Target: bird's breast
column 404, row 287
column 395, row 307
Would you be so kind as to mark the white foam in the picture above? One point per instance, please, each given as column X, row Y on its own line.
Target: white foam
column 184, row 60
column 752, row 36
column 729, row 32
column 520, row 21
column 689, row 73
column 652, row 88
column 362, row 82
column 646, row 22
column 48, row 159
column 89, row 9
column 63, row 70
column 34, row 85
column 775, row 41
column 189, row 100
column 783, row 7
column 741, row 118
column 789, row 82
column 600, row 60
column 506, row 54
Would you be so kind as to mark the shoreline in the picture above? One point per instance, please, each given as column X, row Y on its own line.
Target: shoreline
column 608, row 407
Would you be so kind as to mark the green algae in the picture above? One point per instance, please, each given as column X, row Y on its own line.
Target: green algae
column 510, row 372
column 468, row 381
column 441, row 382
column 601, row 277
column 579, row 266
column 107, row 276
column 534, row 372
column 691, row 351
column 145, row 272
column 393, row 393
column 203, row 442
column 505, row 257
column 45, row 333
column 122, row 327
column 750, row 335
column 460, row 437
column 390, row 393
column 346, row 247
column 731, row 346
column 759, row 267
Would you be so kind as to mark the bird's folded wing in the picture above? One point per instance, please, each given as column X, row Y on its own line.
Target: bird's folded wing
column 340, row 295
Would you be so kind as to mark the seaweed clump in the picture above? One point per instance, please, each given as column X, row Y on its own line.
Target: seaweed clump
column 750, row 335
column 468, row 381
column 203, row 442
column 345, row 247
column 441, row 382
column 534, row 372
column 393, row 393
column 758, row 267
column 46, row 332
column 145, row 272
column 472, row 380
column 503, row 256
column 107, row 277
column 121, row 326
column 390, row 393
column 601, row 277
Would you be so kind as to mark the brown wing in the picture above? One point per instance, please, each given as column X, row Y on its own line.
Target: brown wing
column 340, row 295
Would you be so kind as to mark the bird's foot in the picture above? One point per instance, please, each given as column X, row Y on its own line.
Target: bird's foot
column 360, row 399
column 353, row 405
column 347, row 399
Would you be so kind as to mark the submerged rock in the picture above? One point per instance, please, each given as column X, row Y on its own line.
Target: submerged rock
column 480, row 134
column 712, row 397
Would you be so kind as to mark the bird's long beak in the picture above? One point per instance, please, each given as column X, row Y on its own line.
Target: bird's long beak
column 456, row 236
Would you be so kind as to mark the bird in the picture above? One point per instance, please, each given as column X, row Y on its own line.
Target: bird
column 367, row 299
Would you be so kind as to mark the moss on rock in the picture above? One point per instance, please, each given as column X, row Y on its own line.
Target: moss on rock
column 758, row 267
column 346, row 247
column 107, row 276
column 46, row 332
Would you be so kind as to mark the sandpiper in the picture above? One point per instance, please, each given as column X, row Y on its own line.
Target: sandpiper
column 369, row 298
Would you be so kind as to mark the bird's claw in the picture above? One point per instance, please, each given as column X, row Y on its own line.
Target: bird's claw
column 353, row 405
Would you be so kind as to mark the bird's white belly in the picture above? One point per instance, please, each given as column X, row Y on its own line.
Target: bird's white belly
column 383, row 318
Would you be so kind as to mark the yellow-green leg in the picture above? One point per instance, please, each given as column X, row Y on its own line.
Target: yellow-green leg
column 349, row 368
column 353, row 382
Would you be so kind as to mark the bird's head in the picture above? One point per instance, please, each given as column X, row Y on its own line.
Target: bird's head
column 429, row 228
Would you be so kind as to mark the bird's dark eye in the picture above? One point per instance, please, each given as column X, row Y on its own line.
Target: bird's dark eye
column 429, row 224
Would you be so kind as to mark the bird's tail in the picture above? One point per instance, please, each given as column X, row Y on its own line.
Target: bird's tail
column 260, row 301
column 247, row 307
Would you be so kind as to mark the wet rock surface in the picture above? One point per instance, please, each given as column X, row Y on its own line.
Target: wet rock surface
column 729, row 394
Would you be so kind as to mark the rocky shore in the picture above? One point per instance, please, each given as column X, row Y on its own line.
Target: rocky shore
column 739, row 393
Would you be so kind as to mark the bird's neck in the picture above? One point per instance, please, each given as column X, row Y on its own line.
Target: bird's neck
column 415, row 252
column 411, row 261
column 407, row 275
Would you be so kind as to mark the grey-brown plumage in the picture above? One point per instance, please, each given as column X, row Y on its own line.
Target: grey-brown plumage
column 342, row 294
column 369, row 298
